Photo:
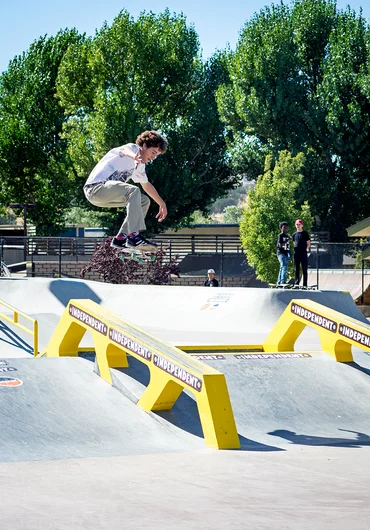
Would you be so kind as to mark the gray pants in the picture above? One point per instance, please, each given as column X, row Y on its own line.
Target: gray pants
column 114, row 194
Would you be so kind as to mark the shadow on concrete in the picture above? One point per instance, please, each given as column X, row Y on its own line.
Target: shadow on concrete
column 65, row 290
column 184, row 414
column 359, row 368
column 303, row 439
column 8, row 336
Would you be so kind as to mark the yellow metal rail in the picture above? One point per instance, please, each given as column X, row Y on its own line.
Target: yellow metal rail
column 337, row 332
column 15, row 320
column 171, row 371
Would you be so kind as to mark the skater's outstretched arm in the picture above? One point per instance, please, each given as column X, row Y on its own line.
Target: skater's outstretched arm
column 127, row 151
column 153, row 193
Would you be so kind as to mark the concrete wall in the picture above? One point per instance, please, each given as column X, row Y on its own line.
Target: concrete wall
column 49, row 269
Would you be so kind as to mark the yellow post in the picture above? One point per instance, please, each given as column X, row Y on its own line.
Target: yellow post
column 216, row 414
column 161, row 393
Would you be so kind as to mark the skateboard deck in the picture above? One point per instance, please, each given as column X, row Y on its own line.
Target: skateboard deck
column 289, row 285
column 140, row 256
column 292, row 286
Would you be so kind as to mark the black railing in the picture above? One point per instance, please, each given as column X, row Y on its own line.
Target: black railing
column 325, row 258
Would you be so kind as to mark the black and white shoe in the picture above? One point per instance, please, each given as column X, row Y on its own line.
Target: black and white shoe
column 139, row 243
column 118, row 243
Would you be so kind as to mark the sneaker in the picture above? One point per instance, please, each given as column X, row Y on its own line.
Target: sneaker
column 139, row 242
column 118, row 243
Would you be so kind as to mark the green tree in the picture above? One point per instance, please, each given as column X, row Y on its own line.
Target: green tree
column 299, row 80
column 273, row 200
column 33, row 158
column 148, row 74
column 232, row 214
column 6, row 217
column 90, row 218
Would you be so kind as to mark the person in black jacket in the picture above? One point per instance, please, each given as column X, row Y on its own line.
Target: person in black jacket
column 283, row 252
column 301, row 240
column 211, row 282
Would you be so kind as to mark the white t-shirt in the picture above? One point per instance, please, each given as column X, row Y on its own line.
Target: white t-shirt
column 117, row 166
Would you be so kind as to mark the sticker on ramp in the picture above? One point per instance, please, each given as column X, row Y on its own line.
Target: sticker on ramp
column 7, row 369
column 214, row 301
column 211, row 357
column 10, row 382
column 254, row 356
column 3, row 363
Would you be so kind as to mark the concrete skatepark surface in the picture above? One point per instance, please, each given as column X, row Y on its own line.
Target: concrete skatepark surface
column 77, row 453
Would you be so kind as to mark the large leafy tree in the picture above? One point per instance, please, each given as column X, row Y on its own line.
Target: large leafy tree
column 274, row 199
column 147, row 74
column 300, row 81
column 33, row 157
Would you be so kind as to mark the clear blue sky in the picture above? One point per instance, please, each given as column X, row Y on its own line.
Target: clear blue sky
column 216, row 22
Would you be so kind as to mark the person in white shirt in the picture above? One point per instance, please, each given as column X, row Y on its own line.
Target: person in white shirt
column 107, row 187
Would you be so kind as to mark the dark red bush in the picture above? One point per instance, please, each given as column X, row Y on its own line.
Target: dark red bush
column 111, row 268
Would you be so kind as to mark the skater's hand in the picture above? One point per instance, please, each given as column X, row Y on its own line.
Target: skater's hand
column 126, row 151
column 138, row 158
column 162, row 214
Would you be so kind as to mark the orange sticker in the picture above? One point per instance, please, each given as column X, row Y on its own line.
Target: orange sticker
column 10, row 382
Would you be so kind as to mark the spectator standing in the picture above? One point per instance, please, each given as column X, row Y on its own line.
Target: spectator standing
column 283, row 252
column 211, row 281
column 302, row 243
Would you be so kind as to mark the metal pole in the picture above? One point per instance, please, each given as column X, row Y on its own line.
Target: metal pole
column 32, row 262
column 25, row 232
column 60, row 257
column 362, row 281
column 317, row 266
column 222, row 265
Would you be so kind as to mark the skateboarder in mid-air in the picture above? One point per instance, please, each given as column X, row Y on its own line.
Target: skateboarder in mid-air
column 107, row 187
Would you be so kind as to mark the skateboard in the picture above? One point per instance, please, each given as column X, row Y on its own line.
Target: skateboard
column 292, row 286
column 289, row 285
column 140, row 256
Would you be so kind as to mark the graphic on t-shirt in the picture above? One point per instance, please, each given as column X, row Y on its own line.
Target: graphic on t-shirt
column 123, row 176
column 116, row 165
column 283, row 246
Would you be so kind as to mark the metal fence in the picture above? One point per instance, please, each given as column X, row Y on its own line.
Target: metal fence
column 331, row 265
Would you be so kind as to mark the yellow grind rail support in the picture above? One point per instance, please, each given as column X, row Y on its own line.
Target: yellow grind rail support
column 337, row 332
column 15, row 321
column 171, row 370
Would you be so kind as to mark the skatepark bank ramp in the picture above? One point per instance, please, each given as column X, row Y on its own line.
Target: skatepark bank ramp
column 177, row 315
column 270, row 391
column 340, row 400
column 60, row 409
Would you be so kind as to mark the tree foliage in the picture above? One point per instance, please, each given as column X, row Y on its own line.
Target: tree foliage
column 33, row 157
column 6, row 217
column 273, row 200
column 147, row 74
column 300, row 80
column 69, row 99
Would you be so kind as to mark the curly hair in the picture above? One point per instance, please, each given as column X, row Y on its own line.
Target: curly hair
column 152, row 139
